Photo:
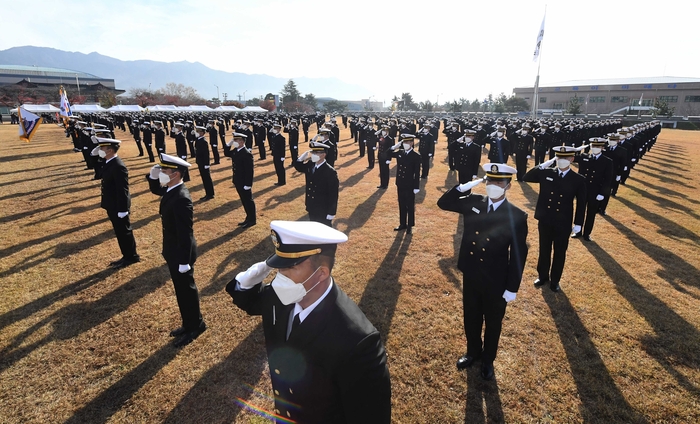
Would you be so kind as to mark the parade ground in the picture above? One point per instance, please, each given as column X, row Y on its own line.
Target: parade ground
column 82, row 343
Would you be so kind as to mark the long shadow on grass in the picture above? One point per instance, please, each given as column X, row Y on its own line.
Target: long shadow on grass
column 77, row 318
column 529, row 194
column 601, row 399
column 101, row 408
column 213, row 399
column 665, row 203
column 674, row 340
column 663, row 190
column 382, row 291
column 288, row 196
column 673, row 266
column 662, row 177
column 482, row 393
column 448, row 266
column 361, row 214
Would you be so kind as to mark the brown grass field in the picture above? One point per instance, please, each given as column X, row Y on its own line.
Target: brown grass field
column 80, row 343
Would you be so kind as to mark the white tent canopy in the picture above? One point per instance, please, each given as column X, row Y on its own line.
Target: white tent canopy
column 125, row 108
column 196, row 108
column 253, row 109
column 47, row 108
column 227, row 109
column 87, row 108
column 162, row 108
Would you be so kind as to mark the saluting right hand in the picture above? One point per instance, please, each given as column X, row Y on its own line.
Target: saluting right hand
column 545, row 165
column 155, row 172
column 304, row 156
column 468, row 186
column 253, row 275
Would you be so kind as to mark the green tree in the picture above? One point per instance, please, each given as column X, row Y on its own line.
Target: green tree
column 500, row 104
column 661, row 108
column 574, row 106
column 475, row 106
column 426, row 106
column 407, row 102
column 516, row 104
column 310, row 100
column 290, row 93
column 455, row 106
column 334, row 106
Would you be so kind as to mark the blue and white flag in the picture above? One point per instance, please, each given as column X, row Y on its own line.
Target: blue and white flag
column 28, row 124
column 65, row 104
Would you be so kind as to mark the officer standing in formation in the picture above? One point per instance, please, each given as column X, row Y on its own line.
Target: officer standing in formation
column 559, row 187
column 201, row 148
column 427, row 149
column 243, row 170
column 499, row 147
column 322, row 184
column 407, row 181
column 384, row 157
column 597, row 170
column 293, row 132
column 618, row 155
column 491, row 257
column 467, row 156
column 116, row 200
column 278, row 145
column 159, row 135
column 327, row 361
column 179, row 246
column 522, row 144
column 147, row 132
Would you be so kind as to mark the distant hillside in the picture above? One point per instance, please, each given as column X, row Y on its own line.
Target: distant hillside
column 141, row 73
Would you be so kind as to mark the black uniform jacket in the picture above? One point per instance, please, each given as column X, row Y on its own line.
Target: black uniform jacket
column 494, row 245
column 333, row 367
column 177, row 216
column 201, row 149
column 408, row 169
column 115, row 186
column 322, row 187
column 241, row 164
column 555, row 204
column 598, row 173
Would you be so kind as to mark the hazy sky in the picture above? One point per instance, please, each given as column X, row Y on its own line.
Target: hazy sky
column 449, row 49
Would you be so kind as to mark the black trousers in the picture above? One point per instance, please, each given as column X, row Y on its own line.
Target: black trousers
column 187, row 296
column 294, row 151
column 383, row 173
column 482, row 308
column 248, row 203
column 125, row 236
column 407, row 206
column 191, row 144
column 521, row 164
column 160, row 148
column 370, row 157
column 149, row 150
column 215, row 152
column 206, row 180
column 279, row 170
column 140, row 147
column 89, row 164
column 320, row 217
column 425, row 165
column 463, row 175
column 592, row 207
column 552, row 236
column 261, row 149
column 362, row 148
column 540, row 153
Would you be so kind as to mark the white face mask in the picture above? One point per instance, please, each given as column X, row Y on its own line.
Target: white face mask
column 315, row 158
column 101, row 153
column 163, row 178
column 468, row 140
column 563, row 163
column 384, row 133
column 596, row 150
column 612, row 143
column 406, row 146
column 288, row 291
column 235, row 145
column 494, row 192
column 499, row 134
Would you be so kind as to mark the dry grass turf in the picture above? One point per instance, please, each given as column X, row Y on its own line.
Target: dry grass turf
column 81, row 343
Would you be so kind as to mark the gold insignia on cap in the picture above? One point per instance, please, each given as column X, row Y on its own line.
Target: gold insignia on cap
column 275, row 239
column 494, row 168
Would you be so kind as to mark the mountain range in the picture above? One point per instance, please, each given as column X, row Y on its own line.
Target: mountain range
column 145, row 73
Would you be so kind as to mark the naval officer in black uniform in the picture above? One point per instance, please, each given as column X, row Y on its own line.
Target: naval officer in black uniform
column 491, row 257
column 242, row 167
column 407, row 181
column 327, row 362
column 116, row 200
column 598, row 171
column 179, row 245
column 559, row 187
column 322, row 183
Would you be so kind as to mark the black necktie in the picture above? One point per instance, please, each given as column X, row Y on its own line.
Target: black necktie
column 295, row 323
column 490, row 208
column 561, row 175
column 313, row 170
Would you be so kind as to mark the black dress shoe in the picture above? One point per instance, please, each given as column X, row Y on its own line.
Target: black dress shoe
column 248, row 224
column 382, row 187
column 466, row 361
column 240, row 224
column 409, row 230
column 540, row 283
column 577, row 235
column 178, row 332
column 556, row 288
column 602, row 212
column 587, row 238
column 128, row 261
column 189, row 336
column 206, row 198
column 487, row 371
column 117, row 262
column 400, row 227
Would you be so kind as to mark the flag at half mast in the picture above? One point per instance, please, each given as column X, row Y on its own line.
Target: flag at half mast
column 540, row 35
column 28, row 124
